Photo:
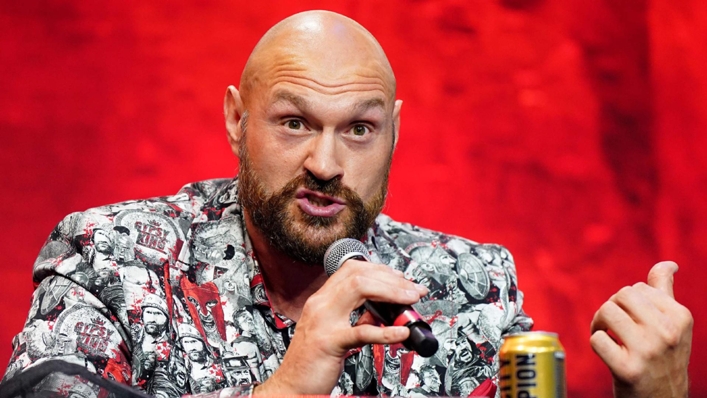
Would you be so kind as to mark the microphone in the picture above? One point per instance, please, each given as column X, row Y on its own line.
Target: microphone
column 421, row 338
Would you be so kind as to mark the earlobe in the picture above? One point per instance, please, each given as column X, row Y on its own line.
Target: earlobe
column 233, row 112
column 396, row 120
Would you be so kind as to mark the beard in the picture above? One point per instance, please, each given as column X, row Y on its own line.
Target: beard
column 197, row 356
column 299, row 235
column 154, row 329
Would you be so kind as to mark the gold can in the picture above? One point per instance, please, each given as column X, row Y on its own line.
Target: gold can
column 532, row 366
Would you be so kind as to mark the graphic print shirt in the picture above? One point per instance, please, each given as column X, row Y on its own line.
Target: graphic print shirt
column 165, row 295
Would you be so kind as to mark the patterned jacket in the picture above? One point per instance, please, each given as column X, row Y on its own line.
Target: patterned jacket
column 165, row 294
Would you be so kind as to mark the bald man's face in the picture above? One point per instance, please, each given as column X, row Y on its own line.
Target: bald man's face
column 320, row 136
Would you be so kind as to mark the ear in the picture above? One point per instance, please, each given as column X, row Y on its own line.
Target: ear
column 233, row 112
column 396, row 120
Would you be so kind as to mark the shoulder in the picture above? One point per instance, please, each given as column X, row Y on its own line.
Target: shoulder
column 412, row 239
column 154, row 227
column 455, row 269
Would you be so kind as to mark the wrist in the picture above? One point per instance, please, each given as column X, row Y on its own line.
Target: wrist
column 275, row 386
column 669, row 389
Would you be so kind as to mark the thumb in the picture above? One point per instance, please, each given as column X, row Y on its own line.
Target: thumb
column 661, row 276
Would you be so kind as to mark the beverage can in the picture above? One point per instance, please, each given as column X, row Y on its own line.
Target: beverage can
column 532, row 365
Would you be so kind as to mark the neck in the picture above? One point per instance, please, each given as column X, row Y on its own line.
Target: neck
column 289, row 282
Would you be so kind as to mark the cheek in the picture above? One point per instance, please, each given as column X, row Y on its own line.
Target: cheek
column 367, row 174
column 274, row 163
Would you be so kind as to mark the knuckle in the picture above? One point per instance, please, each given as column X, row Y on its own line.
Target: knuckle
column 595, row 341
column 605, row 309
column 358, row 334
column 348, row 267
column 389, row 335
column 685, row 317
column 653, row 351
column 624, row 292
column 358, row 283
column 314, row 304
column 671, row 334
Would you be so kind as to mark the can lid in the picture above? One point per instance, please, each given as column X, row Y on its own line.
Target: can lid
column 533, row 333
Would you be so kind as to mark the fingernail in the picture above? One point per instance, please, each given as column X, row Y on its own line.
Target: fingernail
column 422, row 289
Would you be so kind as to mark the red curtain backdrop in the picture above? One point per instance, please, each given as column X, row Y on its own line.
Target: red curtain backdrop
column 568, row 130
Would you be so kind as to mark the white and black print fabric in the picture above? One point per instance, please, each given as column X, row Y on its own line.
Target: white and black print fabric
column 165, row 295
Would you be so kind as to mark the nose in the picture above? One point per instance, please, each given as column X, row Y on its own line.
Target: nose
column 323, row 159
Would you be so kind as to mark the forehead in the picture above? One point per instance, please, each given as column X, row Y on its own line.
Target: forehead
column 99, row 233
column 328, row 64
column 306, row 86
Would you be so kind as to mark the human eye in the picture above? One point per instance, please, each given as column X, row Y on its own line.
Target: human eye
column 360, row 130
column 294, row 124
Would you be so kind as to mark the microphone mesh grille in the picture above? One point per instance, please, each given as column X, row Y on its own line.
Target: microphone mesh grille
column 342, row 250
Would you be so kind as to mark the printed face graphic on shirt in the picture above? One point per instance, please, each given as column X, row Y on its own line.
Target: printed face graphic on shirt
column 102, row 242
column 195, row 349
column 154, row 320
column 430, row 379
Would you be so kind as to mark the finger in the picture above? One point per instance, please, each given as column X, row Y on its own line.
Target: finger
column 637, row 303
column 658, row 298
column 353, row 265
column 339, row 297
column 368, row 274
column 613, row 318
column 661, row 276
column 369, row 334
column 361, row 288
column 608, row 350
column 356, row 267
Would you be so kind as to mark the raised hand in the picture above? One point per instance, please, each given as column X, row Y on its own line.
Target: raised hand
column 324, row 335
column 644, row 336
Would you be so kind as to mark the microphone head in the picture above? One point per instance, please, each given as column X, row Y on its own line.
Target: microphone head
column 342, row 250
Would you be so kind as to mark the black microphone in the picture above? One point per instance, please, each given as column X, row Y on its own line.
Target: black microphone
column 421, row 338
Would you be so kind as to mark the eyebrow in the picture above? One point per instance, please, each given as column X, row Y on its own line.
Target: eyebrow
column 286, row 96
column 370, row 103
column 303, row 104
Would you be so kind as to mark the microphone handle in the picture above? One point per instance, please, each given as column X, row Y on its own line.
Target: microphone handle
column 421, row 339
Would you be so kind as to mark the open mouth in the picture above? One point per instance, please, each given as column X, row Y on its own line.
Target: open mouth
column 318, row 204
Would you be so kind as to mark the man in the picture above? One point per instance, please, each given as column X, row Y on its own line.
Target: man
column 151, row 348
column 204, row 374
column 315, row 123
column 429, row 382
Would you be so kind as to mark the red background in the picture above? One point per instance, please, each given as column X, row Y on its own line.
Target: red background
column 568, row 130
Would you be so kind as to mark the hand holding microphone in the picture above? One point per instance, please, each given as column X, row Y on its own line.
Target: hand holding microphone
column 324, row 333
column 421, row 339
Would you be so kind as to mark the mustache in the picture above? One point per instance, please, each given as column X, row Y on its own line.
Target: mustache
column 333, row 187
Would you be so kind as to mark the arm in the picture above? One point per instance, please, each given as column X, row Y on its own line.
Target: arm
column 67, row 321
column 650, row 352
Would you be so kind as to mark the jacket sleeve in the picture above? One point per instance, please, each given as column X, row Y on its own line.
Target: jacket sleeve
column 519, row 321
column 69, row 320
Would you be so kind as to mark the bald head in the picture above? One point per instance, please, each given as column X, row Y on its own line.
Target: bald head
column 327, row 47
